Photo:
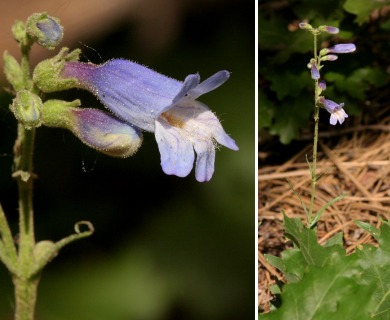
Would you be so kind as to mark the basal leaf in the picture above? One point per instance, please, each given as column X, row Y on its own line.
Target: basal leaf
column 369, row 228
column 275, row 262
column 376, row 265
column 336, row 240
column 306, row 240
column 333, row 291
column 294, row 265
column 384, row 238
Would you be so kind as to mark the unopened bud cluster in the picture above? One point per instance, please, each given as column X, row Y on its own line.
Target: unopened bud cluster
column 315, row 65
column 97, row 129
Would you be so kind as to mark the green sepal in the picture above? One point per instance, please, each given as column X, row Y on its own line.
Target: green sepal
column 56, row 113
column 47, row 74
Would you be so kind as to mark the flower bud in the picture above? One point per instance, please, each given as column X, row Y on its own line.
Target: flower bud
column 305, row 26
column 47, row 74
column 97, row 129
column 329, row 29
column 322, row 85
column 27, row 108
column 342, row 48
column 45, row 30
column 329, row 57
column 315, row 73
column 324, row 52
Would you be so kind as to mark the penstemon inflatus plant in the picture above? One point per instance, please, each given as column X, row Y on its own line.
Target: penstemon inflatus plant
column 337, row 113
column 139, row 99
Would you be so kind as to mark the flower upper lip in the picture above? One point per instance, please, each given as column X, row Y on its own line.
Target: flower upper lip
column 192, row 89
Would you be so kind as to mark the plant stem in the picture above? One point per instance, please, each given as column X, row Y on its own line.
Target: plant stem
column 315, row 142
column 314, row 165
column 25, row 286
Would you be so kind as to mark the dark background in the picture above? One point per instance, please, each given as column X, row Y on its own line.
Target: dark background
column 164, row 247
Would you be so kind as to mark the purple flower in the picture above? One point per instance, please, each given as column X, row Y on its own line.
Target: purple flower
column 315, row 74
column 329, row 29
column 336, row 111
column 97, row 129
column 332, row 30
column 342, row 48
column 159, row 104
column 329, row 57
column 322, row 85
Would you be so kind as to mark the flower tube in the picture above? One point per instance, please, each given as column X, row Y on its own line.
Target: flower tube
column 153, row 102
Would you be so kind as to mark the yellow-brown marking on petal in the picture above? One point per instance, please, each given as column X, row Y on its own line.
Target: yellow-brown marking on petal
column 172, row 120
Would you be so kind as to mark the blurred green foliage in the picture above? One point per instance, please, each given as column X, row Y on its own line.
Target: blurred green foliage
column 164, row 247
column 285, row 85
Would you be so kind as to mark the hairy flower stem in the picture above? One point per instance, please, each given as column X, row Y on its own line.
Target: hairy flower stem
column 313, row 167
column 25, row 285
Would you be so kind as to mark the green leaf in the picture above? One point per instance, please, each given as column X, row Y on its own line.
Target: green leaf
column 306, row 240
column 275, row 289
column 376, row 263
column 266, row 111
column 322, row 210
column 369, row 228
column 356, row 286
column 275, row 262
column 294, row 263
column 333, row 291
column 358, row 82
column 363, row 8
column 337, row 79
column 290, row 117
column 274, row 33
column 288, row 84
column 376, row 77
column 336, row 240
column 384, row 239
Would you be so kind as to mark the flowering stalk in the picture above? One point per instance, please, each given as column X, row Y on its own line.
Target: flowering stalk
column 26, row 260
column 315, row 141
column 336, row 110
column 25, row 287
column 139, row 99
